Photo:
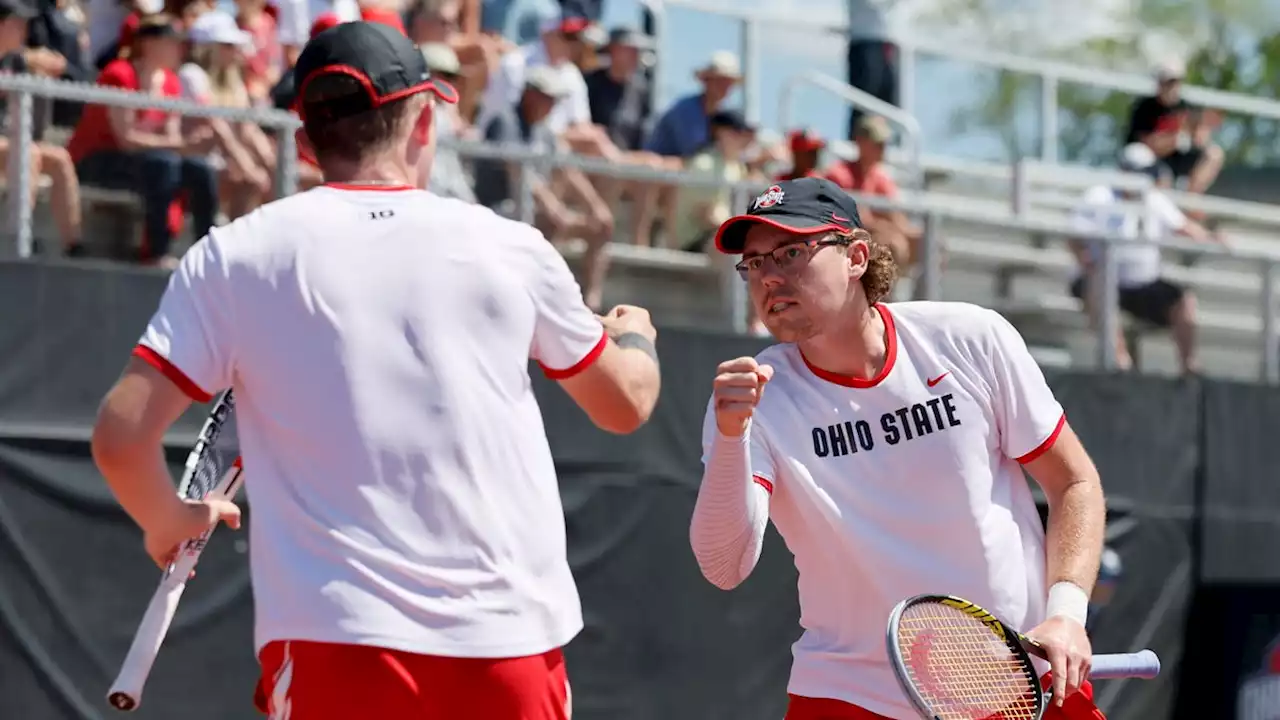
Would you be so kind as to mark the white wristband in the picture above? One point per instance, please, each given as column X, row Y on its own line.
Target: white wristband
column 1067, row 599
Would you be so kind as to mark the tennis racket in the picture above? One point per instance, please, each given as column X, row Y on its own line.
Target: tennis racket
column 205, row 475
column 957, row 661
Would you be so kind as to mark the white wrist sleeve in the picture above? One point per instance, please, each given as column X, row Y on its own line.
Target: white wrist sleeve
column 1067, row 599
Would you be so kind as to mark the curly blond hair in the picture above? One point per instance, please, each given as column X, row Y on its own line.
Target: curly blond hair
column 882, row 269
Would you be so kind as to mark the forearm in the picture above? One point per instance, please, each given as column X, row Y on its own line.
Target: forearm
column 729, row 518
column 139, row 478
column 1077, row 522
column 585, row 192
column 643, row 377
column 137, row 140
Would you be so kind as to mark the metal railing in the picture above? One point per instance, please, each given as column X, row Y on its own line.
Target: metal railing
column 937, row 212
column 21, row 91
column 1050, row 73
column 865, row 101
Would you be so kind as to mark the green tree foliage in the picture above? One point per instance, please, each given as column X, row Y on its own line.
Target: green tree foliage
column 1227, row 52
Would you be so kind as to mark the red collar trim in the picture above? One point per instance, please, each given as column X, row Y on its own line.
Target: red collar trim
column 378, row 188
column 890, row 356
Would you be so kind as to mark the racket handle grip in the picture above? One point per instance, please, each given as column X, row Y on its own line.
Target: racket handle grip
column 1142, row 664
column 126, row 692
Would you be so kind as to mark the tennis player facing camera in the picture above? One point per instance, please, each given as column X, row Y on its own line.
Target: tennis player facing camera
column 887, row 442
column 408, row 541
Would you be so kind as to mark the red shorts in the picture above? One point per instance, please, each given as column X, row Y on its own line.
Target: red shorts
column 328, row 681
column 1077, row 707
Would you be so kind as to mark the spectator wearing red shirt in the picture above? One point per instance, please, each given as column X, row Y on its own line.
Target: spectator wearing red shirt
column 805, row 148
column 143, row 150
column 867, row 175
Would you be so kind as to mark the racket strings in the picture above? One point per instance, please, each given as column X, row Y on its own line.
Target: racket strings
column 962, row 669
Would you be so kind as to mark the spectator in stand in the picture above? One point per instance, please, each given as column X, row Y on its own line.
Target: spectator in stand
column 618, row 94
column 1144, row 294
column 621, row 101
column 701, row 209
column 867, row 175
column 213, row 77
column 440, row 21
column 283, row 96
column 145, row 150
column 445, row 176
column 566, row 205
column 805, row 147
column 570, row 120
column 46, row 159
column 873, row 54
column 684, row 128
column 58, row 48
column 265, row 64
column 1180, row 135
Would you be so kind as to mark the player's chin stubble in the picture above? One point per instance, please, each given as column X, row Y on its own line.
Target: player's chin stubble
column 791, row 329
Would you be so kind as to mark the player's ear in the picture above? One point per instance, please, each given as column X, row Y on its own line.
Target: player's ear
column 424, row 125
column 859, row 253
column 306, row 150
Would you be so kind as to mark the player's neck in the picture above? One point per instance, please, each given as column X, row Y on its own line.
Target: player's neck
column 382, row 172
column 856, row 346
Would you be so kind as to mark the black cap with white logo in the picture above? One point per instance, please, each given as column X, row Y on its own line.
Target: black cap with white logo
column 805, row 207
column 379, row 57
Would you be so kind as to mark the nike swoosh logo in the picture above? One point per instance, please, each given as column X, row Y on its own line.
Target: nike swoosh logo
column 935, row 381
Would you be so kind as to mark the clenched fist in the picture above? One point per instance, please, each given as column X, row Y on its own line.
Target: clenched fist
column 738, row 388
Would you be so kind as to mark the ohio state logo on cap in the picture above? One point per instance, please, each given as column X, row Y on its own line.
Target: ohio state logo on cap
column 768, row 198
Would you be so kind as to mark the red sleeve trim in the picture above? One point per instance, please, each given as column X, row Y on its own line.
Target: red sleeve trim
column 1048, row 443
column 171, row 371
column 582, row 364
column 764, row 483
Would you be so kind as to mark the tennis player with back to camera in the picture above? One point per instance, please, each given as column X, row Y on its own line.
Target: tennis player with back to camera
column 408, row 541
column 888, row 450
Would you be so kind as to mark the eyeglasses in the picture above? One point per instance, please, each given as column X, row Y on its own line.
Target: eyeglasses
column 789, row 258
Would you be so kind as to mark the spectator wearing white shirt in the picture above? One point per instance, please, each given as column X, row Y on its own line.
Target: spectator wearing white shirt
column 570, row 119
column 1143, row 292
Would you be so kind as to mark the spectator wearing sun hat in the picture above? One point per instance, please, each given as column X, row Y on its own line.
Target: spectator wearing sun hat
column 684, row 128
column 619, row 93
column 212, row 76
column 869, row 176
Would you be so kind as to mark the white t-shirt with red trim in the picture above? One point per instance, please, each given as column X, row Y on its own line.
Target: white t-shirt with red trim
column 378, row 343
column 904, row 484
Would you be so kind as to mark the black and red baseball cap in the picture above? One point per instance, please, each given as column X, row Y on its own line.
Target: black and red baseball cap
column 805, row 206
column 384, row 61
